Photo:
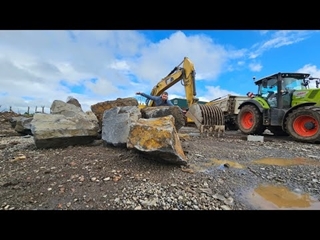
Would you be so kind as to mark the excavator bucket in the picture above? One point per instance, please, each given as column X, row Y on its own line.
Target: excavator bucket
column 209, row 119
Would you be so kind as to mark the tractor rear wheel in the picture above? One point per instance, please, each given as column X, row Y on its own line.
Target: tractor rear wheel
column 250, row 120
column 303, row 124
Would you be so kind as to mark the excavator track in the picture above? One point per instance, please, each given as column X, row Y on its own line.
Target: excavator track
column 209, row 119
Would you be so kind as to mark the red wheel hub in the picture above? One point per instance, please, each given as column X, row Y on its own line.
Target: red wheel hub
column 305, row 126
column 247, row 120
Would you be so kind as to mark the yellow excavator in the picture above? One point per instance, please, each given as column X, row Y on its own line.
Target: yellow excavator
column 207, row 118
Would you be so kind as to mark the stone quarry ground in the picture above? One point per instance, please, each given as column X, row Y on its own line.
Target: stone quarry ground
column 225, row 173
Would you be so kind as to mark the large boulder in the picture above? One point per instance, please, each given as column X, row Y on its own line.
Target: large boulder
column 67, row 125
column 157, row 137
column 116, row 124
column 99, row 108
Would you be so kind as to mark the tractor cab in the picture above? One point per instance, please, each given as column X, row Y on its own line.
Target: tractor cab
column 277, row 89
column 284, row 105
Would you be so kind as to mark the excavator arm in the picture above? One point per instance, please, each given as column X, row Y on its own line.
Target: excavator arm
column 185, row 74
column 209, row 119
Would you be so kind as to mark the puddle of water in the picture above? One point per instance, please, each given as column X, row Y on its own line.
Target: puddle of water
column 287, row 162
column 269, row 197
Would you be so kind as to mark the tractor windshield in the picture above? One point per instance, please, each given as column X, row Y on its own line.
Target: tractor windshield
column 290, row 84
column 268, row 88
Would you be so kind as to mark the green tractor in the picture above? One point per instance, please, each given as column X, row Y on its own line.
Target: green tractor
column 286, row 105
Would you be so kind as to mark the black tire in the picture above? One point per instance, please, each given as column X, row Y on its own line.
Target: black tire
column 250, row 120
column 297, row 121
column 232, row 126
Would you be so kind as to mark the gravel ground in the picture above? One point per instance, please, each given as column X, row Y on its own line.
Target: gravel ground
column 221, row 175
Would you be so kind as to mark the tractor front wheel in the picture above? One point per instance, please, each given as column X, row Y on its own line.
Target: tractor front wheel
column 250, row 120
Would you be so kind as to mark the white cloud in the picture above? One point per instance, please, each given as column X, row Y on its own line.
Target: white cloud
column 33, row 63
column 103, row 87
column 46, row 65
column 158, row 59
column 313, row 71
column 255, row 67
column 119, row 65
column 279, row 39
column 214, row 92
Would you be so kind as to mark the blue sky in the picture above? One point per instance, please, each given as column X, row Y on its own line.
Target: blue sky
column 38, row 67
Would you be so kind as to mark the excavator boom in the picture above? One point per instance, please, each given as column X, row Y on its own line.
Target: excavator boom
column 209, row 119
column 185, row 74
